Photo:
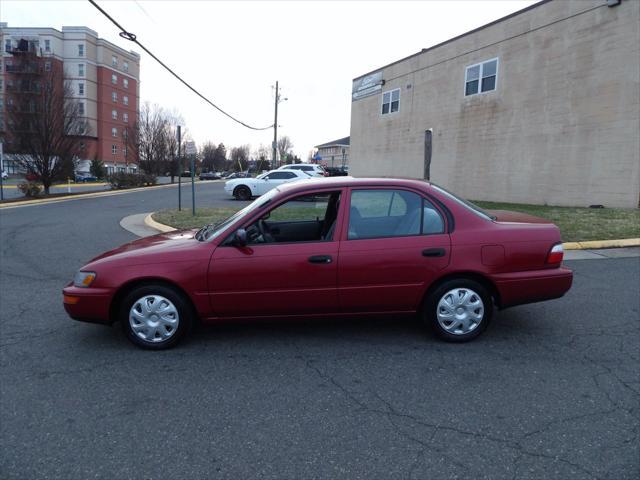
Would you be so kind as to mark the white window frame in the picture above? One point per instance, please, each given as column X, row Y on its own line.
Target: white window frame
column 114, row 79
column 481, row 65
column 114, row 149
column 125, row 66
column 114, row 60
column 114, row 115
column 81, row 108
column 125, row 83
column 81, row 49
column 125, row 100
column 125, row 117
column 114, row 97
column 47, row 45
column 81, row 88
column 114, row 132
column 47, row 66
column 390, row 92
column 81, row 71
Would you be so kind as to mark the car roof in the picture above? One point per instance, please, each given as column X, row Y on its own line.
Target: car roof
column 339, row 182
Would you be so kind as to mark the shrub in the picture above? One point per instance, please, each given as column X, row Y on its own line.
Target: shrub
column 131, row 180
column 29, row 189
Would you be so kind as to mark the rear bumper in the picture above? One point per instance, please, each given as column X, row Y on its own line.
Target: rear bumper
column 517, row 288
column 88, row 304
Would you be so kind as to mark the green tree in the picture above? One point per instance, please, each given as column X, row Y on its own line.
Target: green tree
column 220, row 157
column 97, row 168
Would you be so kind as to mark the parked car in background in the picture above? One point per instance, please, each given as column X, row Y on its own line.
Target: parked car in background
column 311, row 169
column 362, row 246
column 186, row 173
column 4, row 175
column 82, row 177
column 233, row 175
column 246, row 188
column 337, row 171
column 209, row 176
column 32, row 177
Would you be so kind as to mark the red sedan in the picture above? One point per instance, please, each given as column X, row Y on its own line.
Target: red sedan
column 337, row 246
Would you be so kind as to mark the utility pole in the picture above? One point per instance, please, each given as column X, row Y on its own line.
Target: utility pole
column 179, row 171
column 1, row 172
column 275, row 130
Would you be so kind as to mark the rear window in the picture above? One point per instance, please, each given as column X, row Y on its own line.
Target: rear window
column 466, row 203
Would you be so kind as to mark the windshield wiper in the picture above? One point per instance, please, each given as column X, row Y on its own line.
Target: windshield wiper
column 200, row 234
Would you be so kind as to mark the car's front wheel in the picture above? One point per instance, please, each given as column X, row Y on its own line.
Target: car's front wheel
column 459, row 310
column 242, row 193
column 155, row 316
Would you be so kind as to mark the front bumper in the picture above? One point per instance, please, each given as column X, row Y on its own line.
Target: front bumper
column 88, row 304
column 517, row 288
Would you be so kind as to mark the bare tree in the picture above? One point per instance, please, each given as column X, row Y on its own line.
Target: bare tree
column 240, row 157
column 262, row 155
column 208, row 154
column 284, row 146
column 220, row 157
column 46, row 125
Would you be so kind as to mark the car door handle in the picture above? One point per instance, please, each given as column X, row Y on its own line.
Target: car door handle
column 320, row 259
column 433, row 252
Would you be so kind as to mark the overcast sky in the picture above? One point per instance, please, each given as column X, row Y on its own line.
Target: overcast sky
column 233, row 52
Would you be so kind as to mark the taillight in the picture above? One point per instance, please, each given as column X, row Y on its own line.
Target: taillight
column 555, row 254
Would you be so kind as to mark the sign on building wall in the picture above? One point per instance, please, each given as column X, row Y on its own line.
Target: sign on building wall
column 367, row 85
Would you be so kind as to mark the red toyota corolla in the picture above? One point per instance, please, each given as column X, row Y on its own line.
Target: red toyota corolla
column 337, row 246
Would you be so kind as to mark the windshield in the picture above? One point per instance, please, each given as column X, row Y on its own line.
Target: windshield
column 471, row 206
column 213, row 230
column 263, row 175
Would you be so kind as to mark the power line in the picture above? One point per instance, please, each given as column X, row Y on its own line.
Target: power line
column 132, row 37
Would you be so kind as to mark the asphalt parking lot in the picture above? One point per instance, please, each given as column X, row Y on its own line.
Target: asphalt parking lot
column 550, row 391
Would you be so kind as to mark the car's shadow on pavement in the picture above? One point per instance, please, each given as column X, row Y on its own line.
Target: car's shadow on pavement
column 376, row 331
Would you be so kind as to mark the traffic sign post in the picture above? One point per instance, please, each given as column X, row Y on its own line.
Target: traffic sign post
column 190, row 149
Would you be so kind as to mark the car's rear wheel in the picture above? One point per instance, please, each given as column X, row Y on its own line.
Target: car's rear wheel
column 155, row 316
column 242, row 193
column 459, row 310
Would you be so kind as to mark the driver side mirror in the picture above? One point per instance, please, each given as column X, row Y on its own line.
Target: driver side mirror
column 240, row 238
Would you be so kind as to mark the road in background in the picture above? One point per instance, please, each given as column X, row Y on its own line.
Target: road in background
column 551, row 390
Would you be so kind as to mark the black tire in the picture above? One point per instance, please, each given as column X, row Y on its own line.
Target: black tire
column 181, row 304
column 242, row 193
column 459, row 286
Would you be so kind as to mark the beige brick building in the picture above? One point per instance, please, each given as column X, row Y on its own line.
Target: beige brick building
column 542, row 106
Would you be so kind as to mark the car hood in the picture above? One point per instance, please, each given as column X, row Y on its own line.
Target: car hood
column 507, row 216
column 170, row 246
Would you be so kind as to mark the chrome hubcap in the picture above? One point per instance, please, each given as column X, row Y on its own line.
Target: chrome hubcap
column 460, row 311
column 154, row 318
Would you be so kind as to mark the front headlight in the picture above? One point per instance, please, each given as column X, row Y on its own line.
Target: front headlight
column 84, row 279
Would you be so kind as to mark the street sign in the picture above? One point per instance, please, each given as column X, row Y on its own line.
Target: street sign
column 190, row 148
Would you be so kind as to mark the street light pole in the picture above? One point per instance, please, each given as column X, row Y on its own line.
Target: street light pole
column 275, row 129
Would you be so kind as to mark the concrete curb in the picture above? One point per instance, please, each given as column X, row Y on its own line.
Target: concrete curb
column 161, row 227
column 590, row 245
column 597, row 244
column 82, row 196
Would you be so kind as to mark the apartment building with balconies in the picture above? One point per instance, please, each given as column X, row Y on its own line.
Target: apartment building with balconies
column 104, row 80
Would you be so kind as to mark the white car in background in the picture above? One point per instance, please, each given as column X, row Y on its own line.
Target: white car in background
column 246, row 188
column 310, row 168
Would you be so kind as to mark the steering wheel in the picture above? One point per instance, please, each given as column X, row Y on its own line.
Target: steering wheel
column 265, row 231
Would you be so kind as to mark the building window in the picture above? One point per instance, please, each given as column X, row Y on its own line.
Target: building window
column 125, row 66
column 114, row 60
column 81, row 50
column 82, row 146
column 391, row 101
column 81, row 69
column 47, row 66
column 81, row 108
column 125, row 83
column 114, row 149
column 125, row 100
column 47, row 45
column 114, row 79
column 481, row 77
column 114, row 114
column 114, row 97
column 114, row 132
column 7, row 45
column 81, row 88
column 125, row 117
column 125, row 150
